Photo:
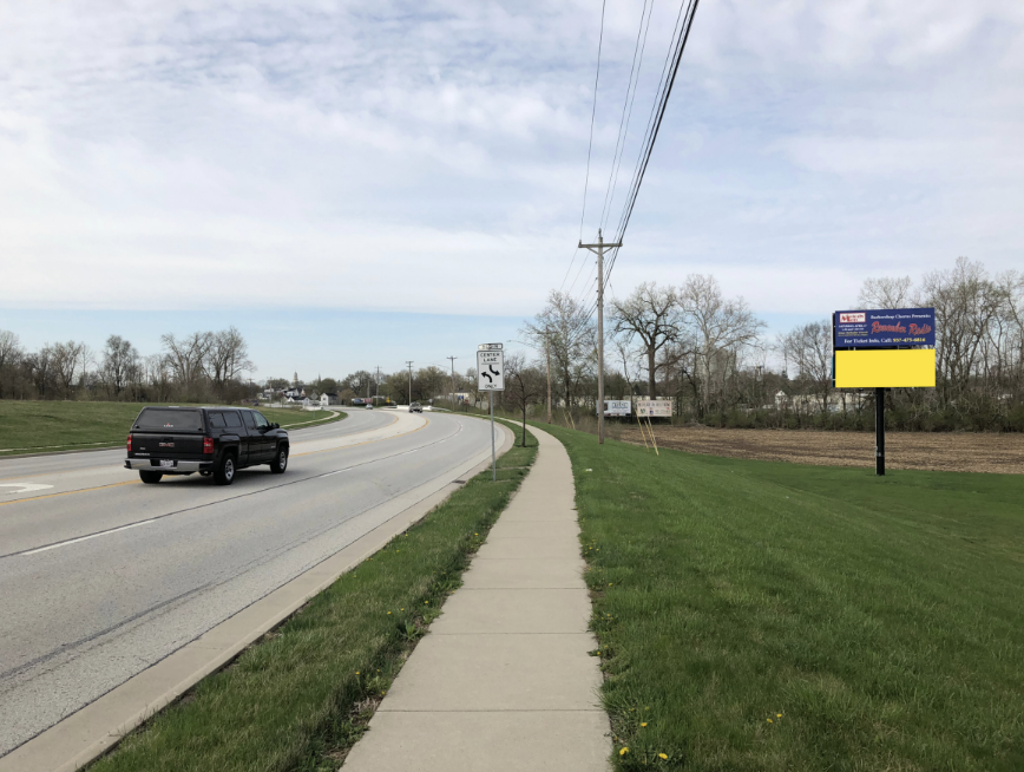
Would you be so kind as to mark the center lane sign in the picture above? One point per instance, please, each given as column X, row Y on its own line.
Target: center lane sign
column 490, row 368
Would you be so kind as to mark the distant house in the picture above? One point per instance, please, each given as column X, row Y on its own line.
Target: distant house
column 329, row 398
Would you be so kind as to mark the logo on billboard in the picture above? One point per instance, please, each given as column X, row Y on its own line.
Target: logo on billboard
column 853, row 318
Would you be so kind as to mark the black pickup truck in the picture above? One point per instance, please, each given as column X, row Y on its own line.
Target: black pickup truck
column 213, row 441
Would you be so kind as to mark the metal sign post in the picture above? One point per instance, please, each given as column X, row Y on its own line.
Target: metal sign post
column 490, row 368
column 880, row 432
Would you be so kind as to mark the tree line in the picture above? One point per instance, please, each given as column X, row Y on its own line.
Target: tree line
column 709, row 353
column 194, row 368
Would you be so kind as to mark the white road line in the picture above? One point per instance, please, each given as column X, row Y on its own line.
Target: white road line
column 24, row 487
column 86, row 538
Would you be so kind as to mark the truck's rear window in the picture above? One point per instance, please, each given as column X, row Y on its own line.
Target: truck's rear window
column 153, row 419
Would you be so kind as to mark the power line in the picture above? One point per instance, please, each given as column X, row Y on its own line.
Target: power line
column 593, row 114
column 684, row 24
column 682, row 38
column 627, row 108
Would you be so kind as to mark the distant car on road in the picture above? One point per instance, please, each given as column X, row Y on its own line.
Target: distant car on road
column 415, row 407
column 369, row 406
column 214, row 441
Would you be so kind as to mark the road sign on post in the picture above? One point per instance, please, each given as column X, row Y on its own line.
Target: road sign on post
column 490, row 368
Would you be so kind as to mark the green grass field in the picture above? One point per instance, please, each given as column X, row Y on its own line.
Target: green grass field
column 764, row 616
column 48, row 427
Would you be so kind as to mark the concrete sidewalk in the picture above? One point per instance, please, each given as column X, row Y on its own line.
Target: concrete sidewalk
column 503, row 680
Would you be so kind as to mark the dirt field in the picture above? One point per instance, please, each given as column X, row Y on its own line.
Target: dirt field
column 998, row 453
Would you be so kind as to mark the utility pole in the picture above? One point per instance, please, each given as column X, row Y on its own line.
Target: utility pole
column 376, row 387
column 599, row 249
column 547, row 353
column 409, row 362
column 453, row 381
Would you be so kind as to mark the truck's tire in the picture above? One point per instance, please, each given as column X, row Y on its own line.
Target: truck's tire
column 149, row 477
column 224, row 471
column 280, row 462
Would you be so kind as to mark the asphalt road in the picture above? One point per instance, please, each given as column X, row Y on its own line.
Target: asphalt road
column 102, row 576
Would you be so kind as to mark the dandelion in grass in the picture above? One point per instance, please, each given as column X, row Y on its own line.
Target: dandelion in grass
column 643, row 723
column 624, row 751
column 662, row 755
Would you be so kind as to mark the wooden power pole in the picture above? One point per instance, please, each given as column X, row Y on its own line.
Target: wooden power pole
column 599, row 249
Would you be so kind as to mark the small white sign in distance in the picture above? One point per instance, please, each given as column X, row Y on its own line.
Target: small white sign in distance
column 490, row 368
column 654, row 408
column 617, row 407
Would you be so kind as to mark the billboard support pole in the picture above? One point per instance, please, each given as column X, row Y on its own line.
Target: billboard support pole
column 880, row 432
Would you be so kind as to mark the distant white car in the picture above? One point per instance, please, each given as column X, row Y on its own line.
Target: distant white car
column 415, row 407
column 369, row 406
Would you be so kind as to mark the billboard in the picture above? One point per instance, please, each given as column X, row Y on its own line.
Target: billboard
column 615, row 408
column 895, row 328
column 654, row 408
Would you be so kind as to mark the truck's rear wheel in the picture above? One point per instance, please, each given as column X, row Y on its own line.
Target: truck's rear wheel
column 149, row 477
column 280, row 462
column 224, row 472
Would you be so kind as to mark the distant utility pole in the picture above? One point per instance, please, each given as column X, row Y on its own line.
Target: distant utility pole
column 409, row 362
column 547, row 353
column 376, row 390
column 453, row 381
column 599, row 249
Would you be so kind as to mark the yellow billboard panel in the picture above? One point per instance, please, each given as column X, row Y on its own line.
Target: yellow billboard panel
column 890, row 368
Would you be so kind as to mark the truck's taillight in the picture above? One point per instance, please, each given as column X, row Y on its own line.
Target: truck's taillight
column 129, row 443
column 207, row 445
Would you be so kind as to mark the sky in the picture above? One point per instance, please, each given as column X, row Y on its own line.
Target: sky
column 355, row 185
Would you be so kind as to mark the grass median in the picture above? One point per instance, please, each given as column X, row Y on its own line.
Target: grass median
column 39, row 426
column 299, row 699
column 767, row 616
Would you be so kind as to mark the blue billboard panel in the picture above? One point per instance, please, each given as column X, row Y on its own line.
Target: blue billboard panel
column 894, row 328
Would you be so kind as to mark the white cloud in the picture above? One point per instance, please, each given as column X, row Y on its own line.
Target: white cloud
column 310, row 152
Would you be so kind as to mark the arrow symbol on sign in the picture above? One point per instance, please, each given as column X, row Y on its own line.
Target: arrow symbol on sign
column 24, row 487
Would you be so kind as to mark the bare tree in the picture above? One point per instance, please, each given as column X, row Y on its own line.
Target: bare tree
column 885, row 292
column 68, row 360
column 809, row 347
column 567, row 329
column 120, row 365
column 186, row 359
column 653, row 315
column 10, row 356
column 965, row 303
column 227, row 357
column 524, row 386
column 720, row 329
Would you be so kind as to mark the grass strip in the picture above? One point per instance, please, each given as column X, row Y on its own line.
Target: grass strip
column 300, row 698
column 40, row 426
column 769, row 616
